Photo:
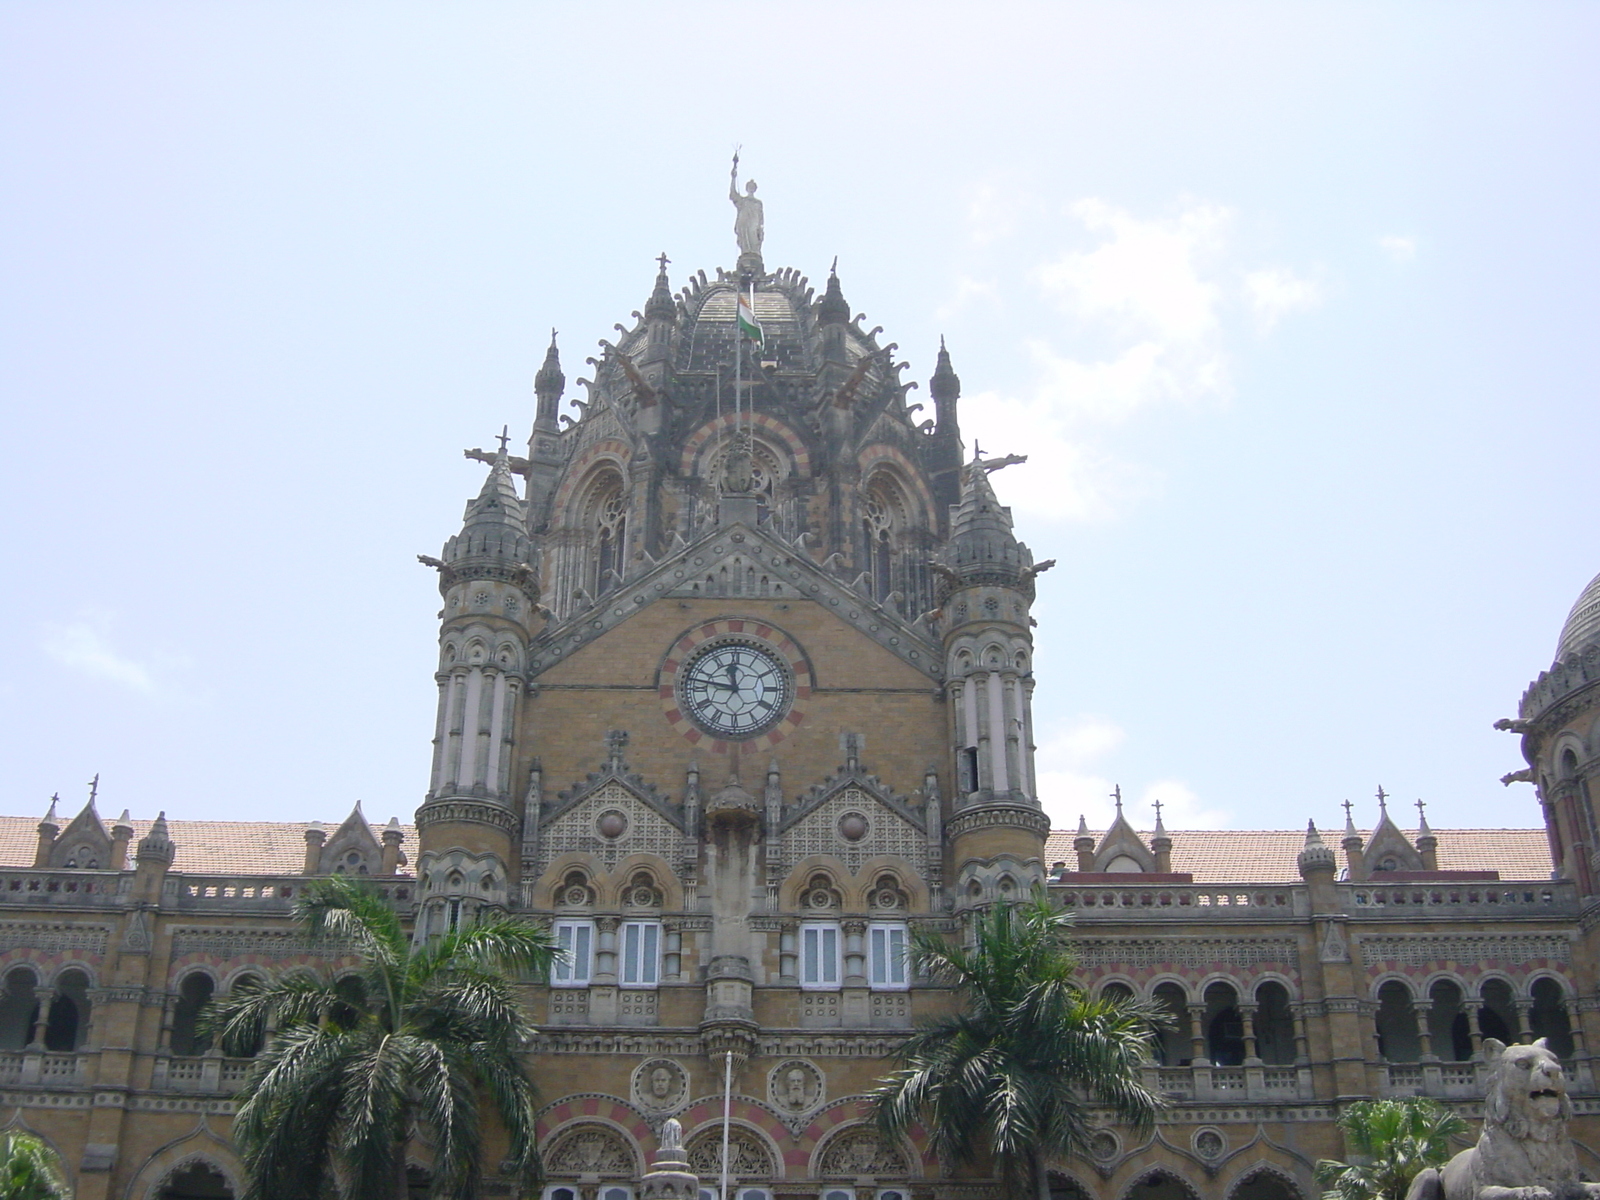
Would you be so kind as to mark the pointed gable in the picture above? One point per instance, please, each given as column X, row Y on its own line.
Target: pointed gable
column 352, row 850
column 84, row 843
column 1122, row 851
column 1388, row 849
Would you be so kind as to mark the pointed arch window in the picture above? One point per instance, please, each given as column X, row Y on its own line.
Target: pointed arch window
column 611, row 535
column 877, row 527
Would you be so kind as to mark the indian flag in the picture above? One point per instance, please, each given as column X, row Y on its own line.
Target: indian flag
column 748, row 325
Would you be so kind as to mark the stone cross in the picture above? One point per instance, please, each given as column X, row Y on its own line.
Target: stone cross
column 1157, row 805
column 663, row 260
column 1116, row 795
column 94, row 787
column 1347, row 806
column 616, row 740
column 1383, row 796
column 504, row 431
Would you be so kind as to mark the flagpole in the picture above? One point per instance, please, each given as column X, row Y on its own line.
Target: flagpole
column 727, row 1116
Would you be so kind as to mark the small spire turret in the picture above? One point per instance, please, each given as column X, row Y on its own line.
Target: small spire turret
column 548, row 384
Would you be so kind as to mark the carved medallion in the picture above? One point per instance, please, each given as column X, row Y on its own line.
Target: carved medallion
column 660, row 1084
column 795, row 1086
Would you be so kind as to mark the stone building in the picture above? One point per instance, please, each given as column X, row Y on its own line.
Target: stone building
column 734, row 689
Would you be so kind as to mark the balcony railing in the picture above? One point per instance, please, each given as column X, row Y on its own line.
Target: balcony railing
column 42, row 1068
column 1543, row 897
column 1178, row 902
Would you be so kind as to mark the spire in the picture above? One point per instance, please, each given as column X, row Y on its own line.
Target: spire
column 981, row 537
column 945, row 384
column 156, row 846
column 1315, row 855
column 494, row 526
column 833, row 309
column 50, row 817
column 1160, row 829
column 661, row 306
column 548, row 385
column 1083, row 826
column 1350, row 830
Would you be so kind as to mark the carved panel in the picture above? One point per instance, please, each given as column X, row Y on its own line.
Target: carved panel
column 748, row 1156
column 53, row 939
column 819, row 832
column 591, row 1150
column 795, row 1086
column 1421, row 950
column 1203, row 953
column 643, row 830
column 660, row 1084
column 859, row 1151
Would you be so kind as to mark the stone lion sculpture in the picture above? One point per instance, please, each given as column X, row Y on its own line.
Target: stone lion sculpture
column 1524, row 1152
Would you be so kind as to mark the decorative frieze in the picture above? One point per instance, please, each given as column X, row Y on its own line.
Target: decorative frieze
column 62, row 938
column 1420, row 950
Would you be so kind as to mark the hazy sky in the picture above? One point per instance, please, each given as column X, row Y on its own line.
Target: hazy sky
column 1293, row 306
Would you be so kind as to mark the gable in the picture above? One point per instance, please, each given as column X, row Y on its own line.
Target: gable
column 822, row 829
column 579, row 827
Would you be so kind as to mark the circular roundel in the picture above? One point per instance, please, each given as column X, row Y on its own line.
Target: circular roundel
column 734, row 681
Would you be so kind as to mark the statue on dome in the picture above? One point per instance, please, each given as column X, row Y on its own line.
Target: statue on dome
column 748, row 224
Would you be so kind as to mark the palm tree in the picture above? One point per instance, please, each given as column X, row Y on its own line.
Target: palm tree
column 357, row 1066
column 1389, row 1141
column 29, row 1169
column 1013, row 1073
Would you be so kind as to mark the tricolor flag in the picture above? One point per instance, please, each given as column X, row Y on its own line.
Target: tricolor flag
column 748, row 325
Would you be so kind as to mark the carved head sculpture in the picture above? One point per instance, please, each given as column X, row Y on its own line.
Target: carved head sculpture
column 1527, row 1090
column 794, row 1087
column 661, row 1083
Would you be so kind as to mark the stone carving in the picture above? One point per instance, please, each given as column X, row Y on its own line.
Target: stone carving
column 585, row 827
column 1426, row 949
column 860, row 1152
column 1524, row 1152
column 1138, row 953
column 660, row 1084
column 749, row 225
column 795, row 1086
column 591, row 1150
column 748, row 1158
column 1208, row 1144
column 827, row 829
column 671, row 1138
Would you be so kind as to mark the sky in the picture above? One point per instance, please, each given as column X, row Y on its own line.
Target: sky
column 1292, row 307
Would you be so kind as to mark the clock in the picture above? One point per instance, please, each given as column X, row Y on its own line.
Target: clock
column 735, row 689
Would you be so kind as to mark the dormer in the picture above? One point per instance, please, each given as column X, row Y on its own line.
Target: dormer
column 352, row 850
column 84, row 844
column 1389, row 850
column 1122, row 851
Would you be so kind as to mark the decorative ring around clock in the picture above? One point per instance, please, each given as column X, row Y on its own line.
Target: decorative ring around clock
column 707, row 706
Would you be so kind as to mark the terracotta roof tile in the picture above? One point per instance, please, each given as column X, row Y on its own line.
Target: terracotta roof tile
column 206, row 847
column 1268, row 855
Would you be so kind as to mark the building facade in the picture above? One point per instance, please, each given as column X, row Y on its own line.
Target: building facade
column 735, row 690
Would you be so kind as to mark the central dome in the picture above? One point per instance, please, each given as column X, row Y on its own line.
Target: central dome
column 1582, row 629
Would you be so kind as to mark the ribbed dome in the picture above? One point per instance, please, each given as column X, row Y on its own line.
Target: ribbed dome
column 1582, row 629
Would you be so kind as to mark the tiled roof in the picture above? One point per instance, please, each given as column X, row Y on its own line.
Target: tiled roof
column 1210, row 855
column 206, row 847
column 1268, row 855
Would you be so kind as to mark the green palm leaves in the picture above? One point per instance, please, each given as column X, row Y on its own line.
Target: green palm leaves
column 1389, row 1141
column 29, row 1169
column 1015, row 1071
column 409, row 1044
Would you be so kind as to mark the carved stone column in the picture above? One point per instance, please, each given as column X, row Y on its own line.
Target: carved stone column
column 1197, row 1035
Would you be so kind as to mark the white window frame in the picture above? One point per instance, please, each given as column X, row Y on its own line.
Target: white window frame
column 820, row 970
column 639, row 954
column 576, row 966
column 888, row 968
column 606, row 1192
column 549, row 1193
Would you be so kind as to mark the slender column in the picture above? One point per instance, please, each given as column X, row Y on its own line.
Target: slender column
column 1423, row 1009
column 855, row 957
column 1302, row 1042
column 605, row 953
column 997, row 734
column 441, row 732
column 452, row 729
column 1024, row 699
column 497, row 718
column 972, row 735
column 1197, row 1035
column 1248, row 1013
column 506, row 743
column 1474, row 1010
column 788, row 954
column 1013, row 695
column 44, row 997
column 468, row 738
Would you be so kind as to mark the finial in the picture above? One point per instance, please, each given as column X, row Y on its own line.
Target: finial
column 834, row 270
column 663, row 260
column 94, row 787
column 1158, row 806
column 504, row 439
column 1116, row 794
column 1313, row 838
column 1083, row 825
column 55, row 799
column 1383, row 796
column 1422, row 817
column 941, row 342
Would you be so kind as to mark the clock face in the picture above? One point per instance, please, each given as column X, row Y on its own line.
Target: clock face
column 735, row 689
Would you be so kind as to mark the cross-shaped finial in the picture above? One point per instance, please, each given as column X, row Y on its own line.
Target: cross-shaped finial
column 94, row 787
column 1157, row 805
column 1116, row 794
column 504, row 430
column 616, row 739
column 1383, row 797
column 1347, row 807
column 977, row 453
column 1420, row 813
column 663, row 260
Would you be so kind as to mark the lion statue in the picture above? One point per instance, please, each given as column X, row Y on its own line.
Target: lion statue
column 1524, row 1152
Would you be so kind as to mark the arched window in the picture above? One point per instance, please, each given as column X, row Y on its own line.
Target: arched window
column 68, row 1023
column 1498, row 1016
column 877, row 529
column 1172, row 1044
column 197, row 1181
column 1274, row 1024
column 194, row 993
column 606, row 517
column 19, row 1009
column 1224, row 1026
column 1447, row 1022
column 1549, row 1017
column 1397, row 1024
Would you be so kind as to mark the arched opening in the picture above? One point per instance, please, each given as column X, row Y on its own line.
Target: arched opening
column 1159, row 1185
column 1569, row 763
column 1447, row 1022
column 419, row 1182
column 19, row 1009
column 1224, row 1026
column 1274, row 1024
column 1117, row 993
column 1064, row 1187
column 606, row 516
column 878, row 511
column 1397, row 1024
column 194, row 993
column 1498, row 1016
column 1172, row 1039
column 1264, row 1185
column 68, row 1023
column 1549, row 1017
column 197, row 1181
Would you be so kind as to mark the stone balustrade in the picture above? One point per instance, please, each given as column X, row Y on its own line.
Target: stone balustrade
column 1179, row 902
column 64, row 889
column 42, row 1068
column 201, row 1073
column 1544, row 897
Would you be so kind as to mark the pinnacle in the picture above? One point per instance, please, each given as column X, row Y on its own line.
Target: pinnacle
column 550, row 379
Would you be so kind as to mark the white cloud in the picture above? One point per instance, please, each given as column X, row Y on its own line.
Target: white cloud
column 995, row 212
column 1276, row 292
column 969, row 292
column 1401, row 249
column 1072, row 783
column 1145, row 274
column 84, row 645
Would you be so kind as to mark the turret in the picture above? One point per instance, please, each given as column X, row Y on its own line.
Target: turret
column 1083, row 844
column 545, row 455
column 49, row 829
column 945, row 460
column 986, row 590
column 1318, row 867
column 1427, row 843
column 469, row 816
column 660, row 315
column 153, row 859
column 121, row 836
column 548, row 385
column 833, row 315
column 1161, row 845
column 393, row 859
column 1355, row 861
column 316, row 837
